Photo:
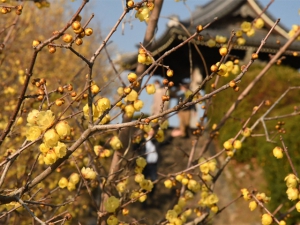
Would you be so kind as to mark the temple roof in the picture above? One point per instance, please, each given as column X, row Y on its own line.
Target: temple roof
column 230, row 14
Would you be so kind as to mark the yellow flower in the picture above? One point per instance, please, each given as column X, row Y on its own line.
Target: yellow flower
column 50, row 157
column 221, row 39
column 111, row 204
column 33, row 132
column 246, row 26
column 222, row 69
column 211, row 43
column 291, row 180
column 259, row 23
column 71, row 186
column 45, row 119
column 160, row 136
column 171, row 215
column 241, row 41
column 51, row 138
column 277, row 152
column 235, row 70
column 212, row 199
column 63, row 129
column 252, row 205
column 229, row 65
column 63, row 182
column 168, row 183
column 60, row 149
column 88, row 173
column 141, row 162
column 112, row 220
column 266, row 219
column 150, row 89
column 246, row 194
column 43, row 148
column 115, row 143
column 74, row 178
column 298, row 206
column 139, row 177
column 204, row 168
column 129, row 110
column 32, row 117
column 143, row 13
column 146, row 185
column 138, row 105
column 292, row 193
column 251, row 32
column 103, row 104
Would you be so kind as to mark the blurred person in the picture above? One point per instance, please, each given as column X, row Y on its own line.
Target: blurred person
column 157, row 99
column 185, row 113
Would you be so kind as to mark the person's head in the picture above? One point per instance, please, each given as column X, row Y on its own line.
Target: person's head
column 157, row 84
column 184, row 87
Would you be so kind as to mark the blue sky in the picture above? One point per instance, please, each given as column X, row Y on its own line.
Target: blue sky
column 131, row 32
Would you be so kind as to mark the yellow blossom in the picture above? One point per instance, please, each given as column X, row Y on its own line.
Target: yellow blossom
column 63, row 182
column 266, row 219
column 32, row 117
column 111, row 204
column 252, row 205
column 259, row 23
column 103, row 104
column 60, row 149
column 115, row 143
column 33, row 132
column 63, row 129
column 45, row 119
column 74, row 178
column 51, row 138
column 88, row 173
column 50, row 157
column 246, row 26
column 292, row 193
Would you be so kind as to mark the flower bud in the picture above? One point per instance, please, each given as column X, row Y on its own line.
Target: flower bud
column 252, row 205
column 168, row 183
column 71, row 186
column 95, row 89
column 67, row 38
column 266, row 219
column 150, row 88
column 237, row 144
column 132, row 77
column 277, row 152
column 246, row 132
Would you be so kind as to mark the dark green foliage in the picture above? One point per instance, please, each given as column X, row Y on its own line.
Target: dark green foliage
column 271, row 87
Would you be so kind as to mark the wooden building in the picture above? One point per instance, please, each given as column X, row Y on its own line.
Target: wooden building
column 231, row 14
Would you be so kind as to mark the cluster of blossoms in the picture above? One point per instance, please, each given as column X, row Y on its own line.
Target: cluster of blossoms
column 247, row 28
column 225, row 69
column 111, row 205
column 178, row 215
column 143, row 12
column 51, row 148
column 293, row 31
column 292, row 192
column 102, row 152
column 98, row 109
column 230, row 145
column 143, row 57
column 262, row 198
column 71, row 183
